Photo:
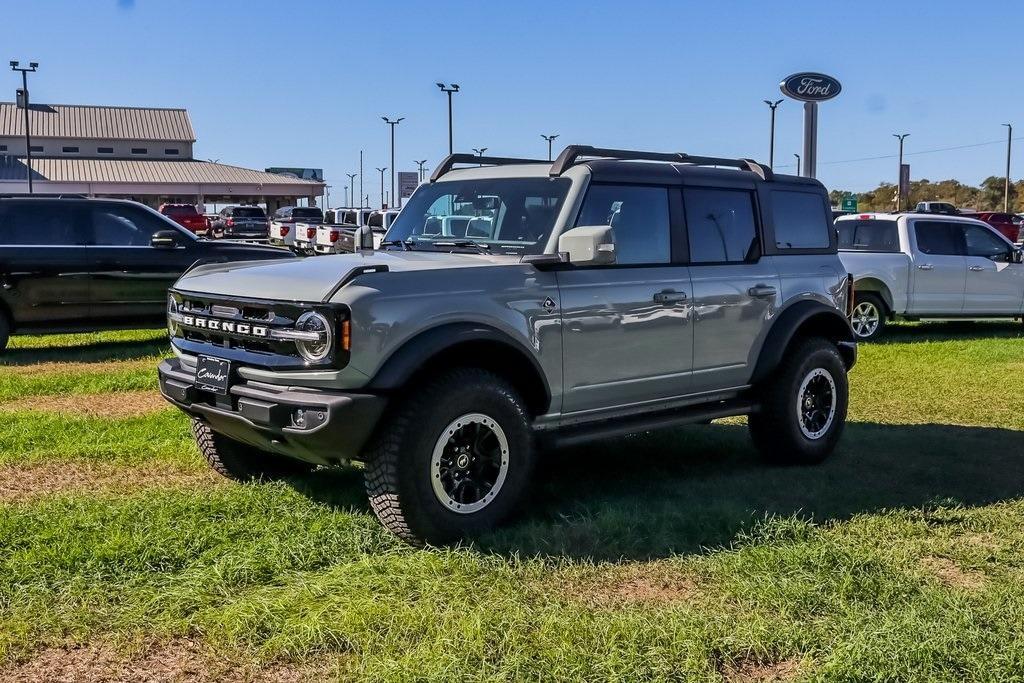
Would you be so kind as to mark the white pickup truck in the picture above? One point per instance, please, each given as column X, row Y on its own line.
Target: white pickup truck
column 915, row 265
column 335, row 237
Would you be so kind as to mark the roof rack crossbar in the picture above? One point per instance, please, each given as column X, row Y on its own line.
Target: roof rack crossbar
column 572, row 154
column 464, row 158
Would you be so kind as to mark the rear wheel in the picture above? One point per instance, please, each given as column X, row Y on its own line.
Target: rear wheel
column 803, row 407
column 868, row 319
column 452, row 460
column 241, row 462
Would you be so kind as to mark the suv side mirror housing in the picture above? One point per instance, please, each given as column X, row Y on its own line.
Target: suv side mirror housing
column 164, row 239
column 590, row 245
column 1017, row 255
column 362, row 239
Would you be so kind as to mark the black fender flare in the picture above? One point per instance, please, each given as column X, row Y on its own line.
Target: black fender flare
column 826, row 319
column 410, row 357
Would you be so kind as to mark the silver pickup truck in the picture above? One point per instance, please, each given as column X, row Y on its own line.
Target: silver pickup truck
column 517, row 306
column 913, row 266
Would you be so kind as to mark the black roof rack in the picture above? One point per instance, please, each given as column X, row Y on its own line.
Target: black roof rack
column 572, row 154
column 463, row 158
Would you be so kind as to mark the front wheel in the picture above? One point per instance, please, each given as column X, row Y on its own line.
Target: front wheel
column 238, row 461
column 803, row 407
column 868, row 319
column 452, row 460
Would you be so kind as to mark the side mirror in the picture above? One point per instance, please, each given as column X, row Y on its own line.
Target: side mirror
column 164, row 239
column 1017, row 255
column 589, row 245
column 362, row 240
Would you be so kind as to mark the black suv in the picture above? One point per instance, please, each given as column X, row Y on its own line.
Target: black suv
column 93, row 264
column 247, row 222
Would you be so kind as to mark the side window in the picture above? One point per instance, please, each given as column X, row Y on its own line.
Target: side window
column 800, row 220
column 868, row 235
column 937, row 238
column 124, row 226
column 720, row 225
column 981, row 241
column 638, row 215
column 38, row 223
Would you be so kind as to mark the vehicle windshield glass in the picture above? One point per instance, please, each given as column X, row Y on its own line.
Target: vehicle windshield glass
column 868, row 235
column 248, row 212
column 181, row 210
column 510, row 215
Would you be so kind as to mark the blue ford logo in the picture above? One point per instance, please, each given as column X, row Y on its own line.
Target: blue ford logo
column 810, row 87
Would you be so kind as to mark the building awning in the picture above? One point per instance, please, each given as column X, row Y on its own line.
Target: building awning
column 97, row 123
column 149, row 177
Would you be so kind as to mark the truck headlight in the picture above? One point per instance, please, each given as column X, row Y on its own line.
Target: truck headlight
column 320, row 349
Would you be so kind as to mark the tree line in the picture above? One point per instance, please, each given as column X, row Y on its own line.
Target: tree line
column 986, row 197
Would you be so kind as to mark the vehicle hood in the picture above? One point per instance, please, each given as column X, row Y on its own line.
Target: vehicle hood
column 314, row 279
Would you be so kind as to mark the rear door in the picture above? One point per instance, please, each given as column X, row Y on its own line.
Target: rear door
column 939, row 268
column 130, row 277
column 627, row 334
column 994, row 283
column 44, row 269
column 735, row 287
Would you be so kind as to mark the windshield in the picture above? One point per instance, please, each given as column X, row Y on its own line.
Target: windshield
column 248, row 212
column 510, row 215
column 180, row 210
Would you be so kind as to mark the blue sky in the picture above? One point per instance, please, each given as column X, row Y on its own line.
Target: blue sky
column 304, row 83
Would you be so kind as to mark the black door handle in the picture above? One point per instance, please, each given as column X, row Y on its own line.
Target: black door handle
column 669, row 296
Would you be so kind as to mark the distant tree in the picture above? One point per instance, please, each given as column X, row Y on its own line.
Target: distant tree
column 991, row 194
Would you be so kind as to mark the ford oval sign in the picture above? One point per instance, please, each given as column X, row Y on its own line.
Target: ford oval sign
column 810, row 87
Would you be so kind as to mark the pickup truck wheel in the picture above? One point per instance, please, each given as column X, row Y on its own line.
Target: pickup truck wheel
column 868, row 317
column 452, row 460
column 241, row 462
column 803, row 407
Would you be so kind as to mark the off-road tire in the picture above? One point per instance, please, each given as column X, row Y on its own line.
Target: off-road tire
column 875, row 303
column 776, row 426
column 5, row 331
column 241, row 462
column 398, row 468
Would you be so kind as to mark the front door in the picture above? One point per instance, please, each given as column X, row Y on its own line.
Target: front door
column 995, row 284
column 735, row 289
column 44, row 271
column 627, row 336
column 130, row 277
column 938, row 269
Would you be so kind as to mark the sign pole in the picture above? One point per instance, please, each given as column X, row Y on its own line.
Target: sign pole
column 810, row 139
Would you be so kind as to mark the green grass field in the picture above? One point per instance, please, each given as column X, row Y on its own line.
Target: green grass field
column 671, row 556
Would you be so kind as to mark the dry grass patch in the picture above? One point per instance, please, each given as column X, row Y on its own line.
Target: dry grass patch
column 25, row 482
column 750, row 671
column 109, row 405
column 647, row 583
column 951, row 575
column 181, row 661
column 61, row 368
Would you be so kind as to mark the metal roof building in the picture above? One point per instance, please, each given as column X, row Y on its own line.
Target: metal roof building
column 140, row 153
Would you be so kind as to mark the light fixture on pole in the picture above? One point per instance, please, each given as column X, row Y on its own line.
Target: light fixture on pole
column 381, row 170
column 32, row 66
column 480, row 152
column 453, row 88
column 352, row 187
column 1006, row 187
column 899, row 178
column 393, row 124
column 771, row 138
column 550, row 139
column 420, row 164
column 797, row 163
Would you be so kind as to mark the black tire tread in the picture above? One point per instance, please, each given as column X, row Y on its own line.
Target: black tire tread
column 239, row 462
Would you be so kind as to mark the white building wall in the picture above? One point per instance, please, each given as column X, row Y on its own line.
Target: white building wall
column 122, row 149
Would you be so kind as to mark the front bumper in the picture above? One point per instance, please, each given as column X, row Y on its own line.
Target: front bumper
column 318, row 426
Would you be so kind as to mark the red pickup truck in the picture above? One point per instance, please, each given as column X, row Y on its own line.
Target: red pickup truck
column 186, row 215
column 1006, row 223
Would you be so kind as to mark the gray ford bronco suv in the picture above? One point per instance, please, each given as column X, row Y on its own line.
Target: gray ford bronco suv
column 517, row 306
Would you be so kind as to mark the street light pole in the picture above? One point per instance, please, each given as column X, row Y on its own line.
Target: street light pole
column 797, row 163
column 32, row 66
column 393, row 124
column 381, row 170
column 352, row 184
column 550, row 139
column 771, row 139
column 1006, row 187
column 420, row 164
column 899, row 177
column 453, row 88
column 361, row 181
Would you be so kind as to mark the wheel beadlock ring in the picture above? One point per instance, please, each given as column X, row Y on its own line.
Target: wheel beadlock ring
column 471, row 446
column 816, row 402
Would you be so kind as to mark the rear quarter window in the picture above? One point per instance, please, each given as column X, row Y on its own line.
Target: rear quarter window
column 800, row 220
column 868, row 235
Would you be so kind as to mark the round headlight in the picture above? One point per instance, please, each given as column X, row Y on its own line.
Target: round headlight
column 314, row 351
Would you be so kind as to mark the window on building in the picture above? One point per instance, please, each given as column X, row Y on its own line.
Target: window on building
column 104, row 150
column 800, row 220
column 171, row 151
column 3, row 148
column 639, row 217
column 140, row 150
column 720, row 225
column 36, row 148
column 69, row 150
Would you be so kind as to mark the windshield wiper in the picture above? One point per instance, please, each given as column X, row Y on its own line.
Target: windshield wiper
column 406, row 245
column 464, row 244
